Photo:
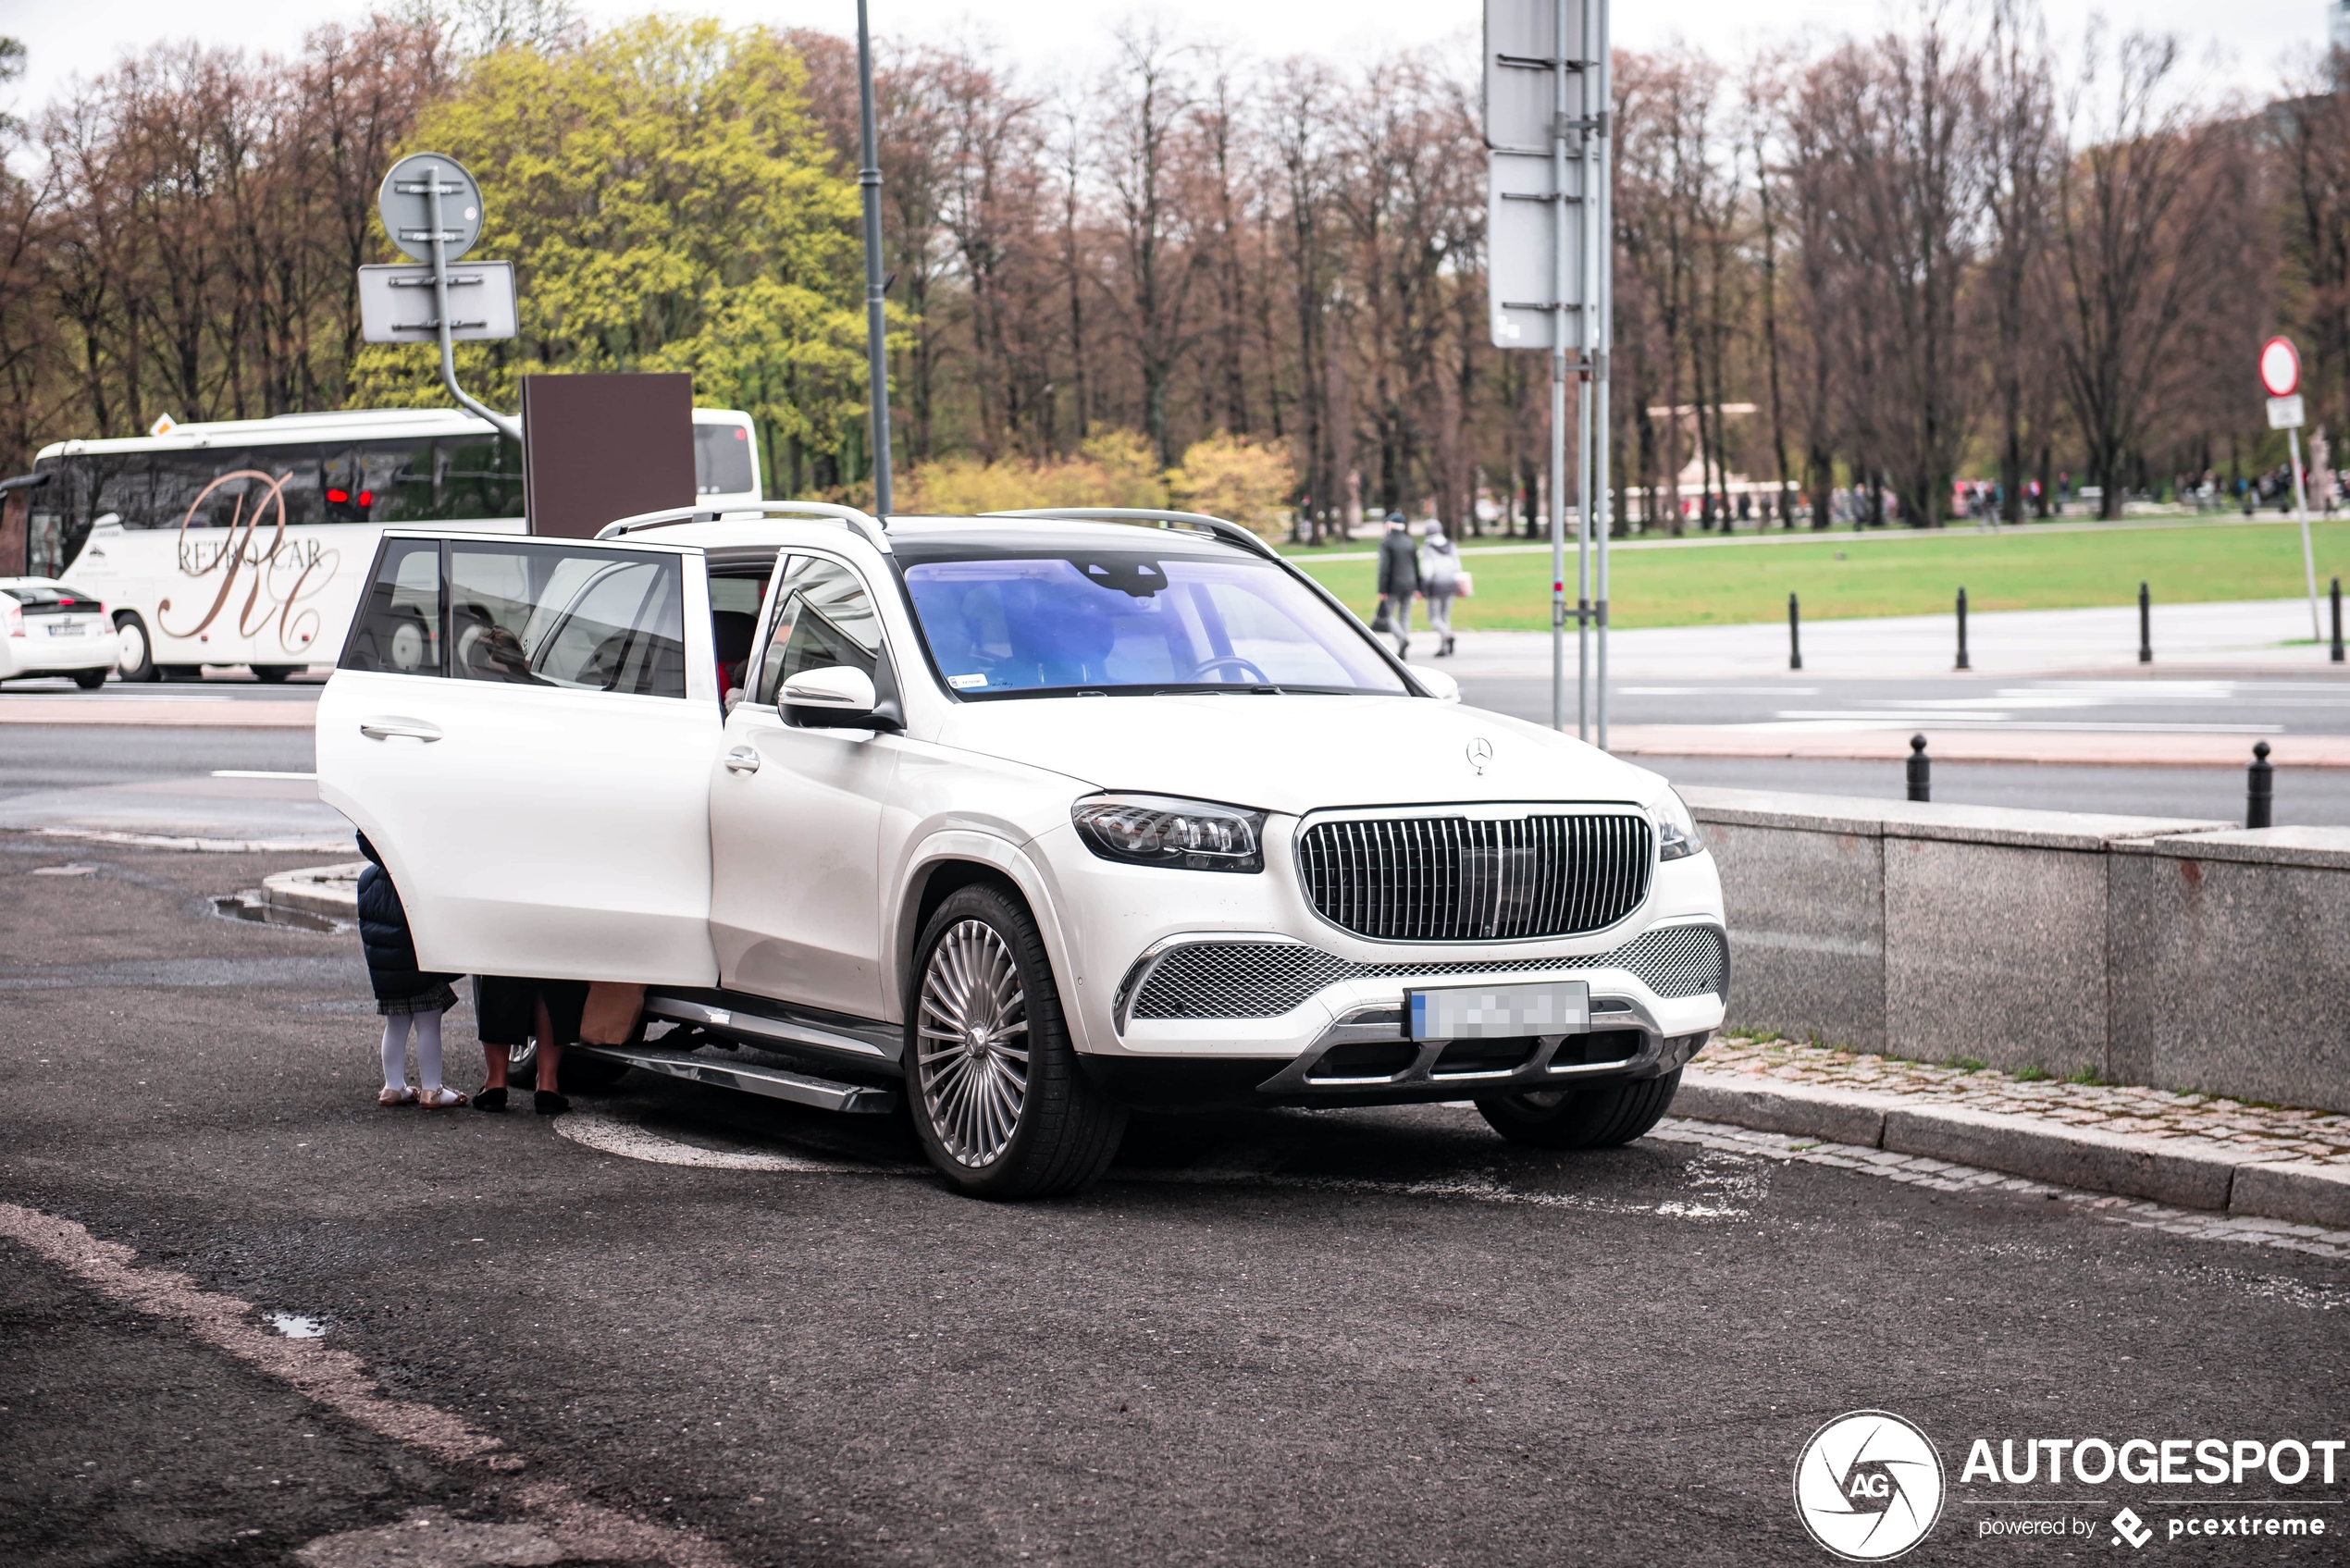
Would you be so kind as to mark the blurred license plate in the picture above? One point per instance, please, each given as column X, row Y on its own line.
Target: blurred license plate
column 68, row 628
column 1489, row 1012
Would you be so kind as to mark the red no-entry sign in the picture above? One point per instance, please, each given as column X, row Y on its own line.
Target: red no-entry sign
column 2280, row 367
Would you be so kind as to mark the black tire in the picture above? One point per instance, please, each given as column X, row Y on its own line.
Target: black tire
column 1601, row 1116
column 139, row 665
column 1064, row 1131
column 90, row 680
column 273, row 674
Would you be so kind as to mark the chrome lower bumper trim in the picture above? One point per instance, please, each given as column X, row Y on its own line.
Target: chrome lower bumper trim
column 775, row 1083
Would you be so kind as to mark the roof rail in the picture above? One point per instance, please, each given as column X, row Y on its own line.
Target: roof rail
column 875, row 531
column 1231, row 533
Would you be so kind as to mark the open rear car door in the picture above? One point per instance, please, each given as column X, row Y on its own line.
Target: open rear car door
column 525, row 729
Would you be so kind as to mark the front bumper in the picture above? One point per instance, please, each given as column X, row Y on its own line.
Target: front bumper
column 1655, row 999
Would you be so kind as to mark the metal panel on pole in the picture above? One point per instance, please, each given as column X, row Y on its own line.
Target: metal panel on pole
column 1546, row 264
column 432, row 209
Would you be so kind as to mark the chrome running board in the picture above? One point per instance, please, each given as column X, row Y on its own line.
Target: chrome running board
column 800, row 1088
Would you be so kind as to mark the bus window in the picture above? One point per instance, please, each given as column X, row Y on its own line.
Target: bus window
column 378, row 482
column 191, row 488
column 722, row 460
column 479, row 477
column 123, row 485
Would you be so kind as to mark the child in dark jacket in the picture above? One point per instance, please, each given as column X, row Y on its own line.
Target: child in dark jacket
column 404, row 995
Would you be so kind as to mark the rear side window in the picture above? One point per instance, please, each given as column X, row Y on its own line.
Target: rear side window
column 397, row 629
column 548, row 615
column 824, row 617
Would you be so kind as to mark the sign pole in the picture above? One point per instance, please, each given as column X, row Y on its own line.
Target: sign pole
column 1558, row 372
column 1600, row 220
column 510, row 428
column 2301, row 510
column 876, row 316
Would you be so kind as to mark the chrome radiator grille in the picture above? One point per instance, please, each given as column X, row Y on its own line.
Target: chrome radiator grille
column 1460, row 879
column 1264, row 980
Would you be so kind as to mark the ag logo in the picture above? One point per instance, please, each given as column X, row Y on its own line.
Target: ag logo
column 1868, row 1486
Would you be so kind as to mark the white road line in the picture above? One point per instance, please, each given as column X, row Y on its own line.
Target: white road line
column 257, row 773
column 1719, row 1189
column 610, row 1135
column 214, row 846
column 1944, row 1177
column 340, row 1382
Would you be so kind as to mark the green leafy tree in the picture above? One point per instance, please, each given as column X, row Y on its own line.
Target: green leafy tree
column 668, row 204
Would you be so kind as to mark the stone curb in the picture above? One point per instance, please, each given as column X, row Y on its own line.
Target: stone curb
column 321, row 890
column 2184, row 1172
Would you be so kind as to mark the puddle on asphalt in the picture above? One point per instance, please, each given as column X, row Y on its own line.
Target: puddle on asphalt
column 295, row 1327
column 251, row 904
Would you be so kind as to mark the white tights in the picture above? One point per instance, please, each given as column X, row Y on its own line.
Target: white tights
column 427, row 1049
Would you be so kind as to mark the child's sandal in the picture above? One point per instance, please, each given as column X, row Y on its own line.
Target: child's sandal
column 404, row 1096
column 440, row 1099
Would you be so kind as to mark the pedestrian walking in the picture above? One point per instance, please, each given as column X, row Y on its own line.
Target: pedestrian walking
column 1440, row 572
column 408, row 997
column 1399, row 579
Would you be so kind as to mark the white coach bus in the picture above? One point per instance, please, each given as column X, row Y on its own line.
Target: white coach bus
column 248, row 541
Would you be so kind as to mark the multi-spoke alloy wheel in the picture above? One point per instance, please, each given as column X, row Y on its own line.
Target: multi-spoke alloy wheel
column 973, row 1043
column 998, row 1098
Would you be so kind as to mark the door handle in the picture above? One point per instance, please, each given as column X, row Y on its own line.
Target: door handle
column 742, row 760
column 403, row 729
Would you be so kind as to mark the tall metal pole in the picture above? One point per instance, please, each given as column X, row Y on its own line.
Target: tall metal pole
column 1558, row 364
column 876, row 321
column 2301, row 510
column 1587, row 341
column 1599, row 215
column 510, row 428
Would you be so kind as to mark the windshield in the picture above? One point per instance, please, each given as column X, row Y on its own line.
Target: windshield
column 1110, row 621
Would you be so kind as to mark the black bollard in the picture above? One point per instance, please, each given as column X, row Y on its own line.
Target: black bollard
column 1962, row 663
column 2337, row 621
column 2260, row 789
column 1921, row 770
column 2145, row 625
column 1795, row 627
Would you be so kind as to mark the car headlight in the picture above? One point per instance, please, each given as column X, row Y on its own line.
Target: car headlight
column 1156, row 829
column 1677, row 836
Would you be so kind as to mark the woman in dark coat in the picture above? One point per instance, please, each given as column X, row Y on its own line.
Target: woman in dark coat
column 405, row 995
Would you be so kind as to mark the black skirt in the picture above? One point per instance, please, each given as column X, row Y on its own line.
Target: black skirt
column 503, row 1006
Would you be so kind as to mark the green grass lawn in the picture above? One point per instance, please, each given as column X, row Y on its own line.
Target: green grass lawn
column 1840, row 576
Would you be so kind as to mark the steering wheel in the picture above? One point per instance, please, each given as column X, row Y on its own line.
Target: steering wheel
column 1237, row 662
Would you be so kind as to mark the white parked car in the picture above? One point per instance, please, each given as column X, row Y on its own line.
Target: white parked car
column 1035, row 817
column 49, row 628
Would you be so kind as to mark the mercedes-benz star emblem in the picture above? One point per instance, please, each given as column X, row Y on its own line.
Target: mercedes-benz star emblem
column 1480, row 752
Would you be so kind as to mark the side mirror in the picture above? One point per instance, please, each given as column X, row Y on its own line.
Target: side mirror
column 838, row 697
column 1438, row 683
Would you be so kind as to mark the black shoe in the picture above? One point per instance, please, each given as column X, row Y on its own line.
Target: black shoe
column 490, row 1100
column 547, row 1103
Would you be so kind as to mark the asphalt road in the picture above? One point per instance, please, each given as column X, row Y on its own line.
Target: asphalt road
column 1282, row 1339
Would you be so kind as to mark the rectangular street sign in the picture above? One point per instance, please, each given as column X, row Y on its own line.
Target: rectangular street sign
column 1538, row 115
column 396, row 303
column 1522, row 52
column 1521, row 231
column 2284, row 413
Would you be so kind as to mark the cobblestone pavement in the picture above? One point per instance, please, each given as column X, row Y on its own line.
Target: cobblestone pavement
column 2243, row 1130
column 1941, row 1176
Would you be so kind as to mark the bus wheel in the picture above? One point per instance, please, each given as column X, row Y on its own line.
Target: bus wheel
column 135, row 660
column 273, row 675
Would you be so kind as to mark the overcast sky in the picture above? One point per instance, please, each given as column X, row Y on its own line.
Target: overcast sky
column 2246, row 45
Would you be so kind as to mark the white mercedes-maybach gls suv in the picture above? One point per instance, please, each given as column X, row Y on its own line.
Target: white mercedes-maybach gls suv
column 1030, row 818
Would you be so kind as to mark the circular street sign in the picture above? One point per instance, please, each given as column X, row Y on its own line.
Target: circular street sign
column 2280, row 367
column 405, row 205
